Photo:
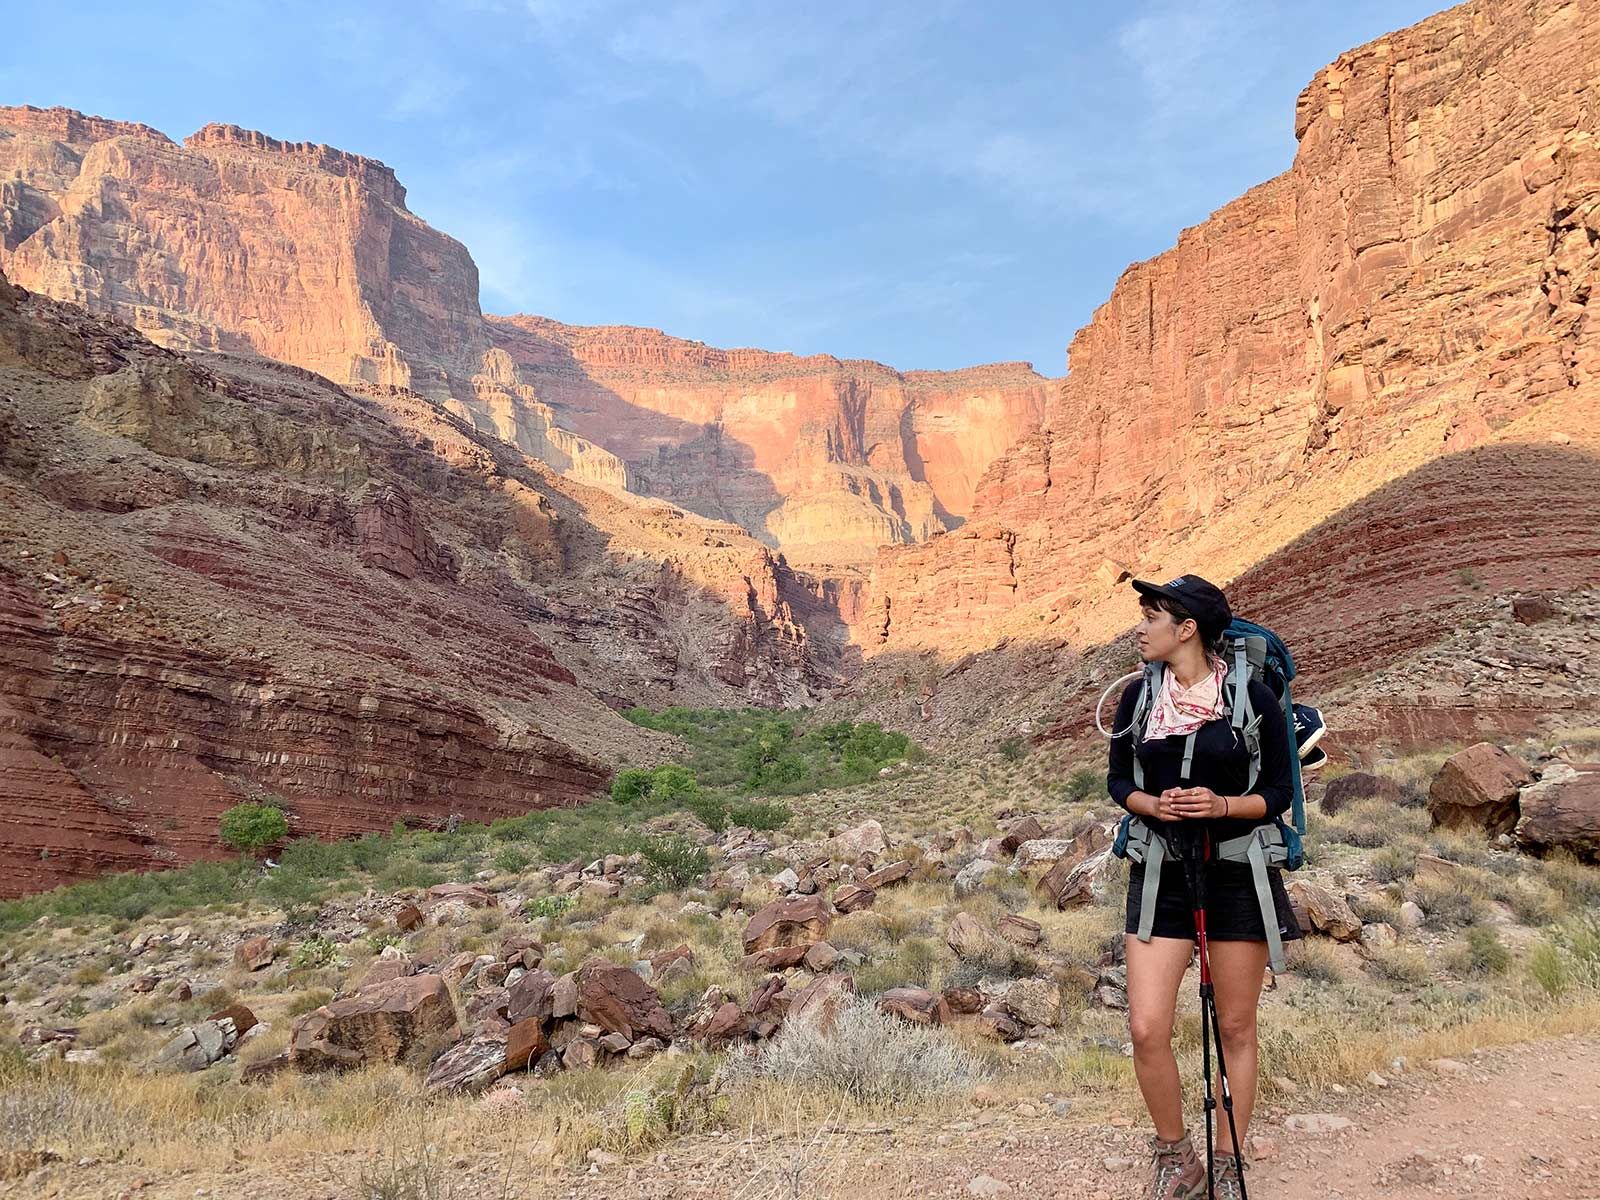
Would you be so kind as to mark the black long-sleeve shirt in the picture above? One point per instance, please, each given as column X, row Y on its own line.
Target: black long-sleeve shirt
column 1221, row 761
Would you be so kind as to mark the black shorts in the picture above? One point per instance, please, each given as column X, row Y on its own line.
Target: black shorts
column 1233, row 913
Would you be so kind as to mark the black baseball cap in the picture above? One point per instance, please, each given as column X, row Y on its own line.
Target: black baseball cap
column 1203, row 599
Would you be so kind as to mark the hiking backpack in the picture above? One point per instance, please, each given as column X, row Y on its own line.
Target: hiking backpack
column 1252, row 652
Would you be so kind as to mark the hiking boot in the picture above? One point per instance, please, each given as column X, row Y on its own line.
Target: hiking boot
column 1225, row 1178
column 1179, row 1173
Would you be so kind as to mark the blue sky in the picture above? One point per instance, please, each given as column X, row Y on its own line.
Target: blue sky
column 926, row 183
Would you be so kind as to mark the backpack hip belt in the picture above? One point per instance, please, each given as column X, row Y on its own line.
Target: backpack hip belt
column 1265, row 845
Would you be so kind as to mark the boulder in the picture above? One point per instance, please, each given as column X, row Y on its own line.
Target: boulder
column 1020, row 930
column 531, row 997
column 1111, row 988
column 195, row 1047
column 1328, row 913
column 966, row 937
column 1021, row 831
column 820, row 999
column 618, row 1001
column 1360, row 785
column 778, row 958
column 525, row 1042
column 1082, row 883
column 581, row 1054
column 1042, row 852
column 999, row 1024
column 1562, row 810
column 884, row 876
column 1530, row 610
column 914, row 1004
column 243, row 1019
column 564, row 996
column 820, row 959
column 849, row 898
column 408, row 917
column 865, row 839
column 1477, row 790
column 468, row 1066
column 726, row 1023
column 786, row 880
column 970, row 878
column 963, row 1000
column 253, row 953
column 380, row 1025
column 383, row 969
column 1034, row 1001
column 1378, row 935
column 615, row 1043
column 790, row 921
column 472, row 897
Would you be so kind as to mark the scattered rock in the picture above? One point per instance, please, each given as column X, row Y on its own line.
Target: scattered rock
column 468, row 1066
column 965, row 1001
column 1360, row 785
column 380, row 1025
column 618, row 1001
column 525, row 1043
column 1476, row 790
column 1411, row 916
column 1328, row 913
column 790, row 921
column 820, row 999
column 1317, row 1123
column 914, row 1004
column 895, row 872
column 1020, row 930
column 408, row 917
column 1025, row 830
column 970, row 878
column 988, row 1185
column 821, row 958
column 1034, row 1001
column 1562, row 810
column 1378, row 935
column 966, row 937
column 253, row 953
column 850, row 897
column 865, row 839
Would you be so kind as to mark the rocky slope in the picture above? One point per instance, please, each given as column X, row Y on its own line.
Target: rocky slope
column 229, row 578
column 237, row 241
column 1348, row 387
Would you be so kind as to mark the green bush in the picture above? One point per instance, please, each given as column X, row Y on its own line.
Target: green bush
column 510, row 859
column 1085, row 783
column 713, row 810
column 630, row 785
column 760, row 815
column 251, row 828
column 1480, row 953
column 673, row 862
column 673, row 784
column 1013, row 749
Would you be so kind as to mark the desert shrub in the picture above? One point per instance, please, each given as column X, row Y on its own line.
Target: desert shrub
column 672, row 862
column 999, row 959
column 910, row 964
column 761, row 815
column 712, row 811
column 251, row 828
column 1085, row 783
column 1014, row 749
column 510, row 859
column 309, row 1001
column 1450, row 902
column 673, row 784
column 1400, row 964
column 866, row 1055
column 631, row 785
column 1393, row 863
column 1480, row 952
column 1317, row 959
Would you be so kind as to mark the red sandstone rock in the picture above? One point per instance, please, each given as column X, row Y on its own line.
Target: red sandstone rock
column 1562, row 810
column 914, row 1004
column 1477, row 790
column 618, row 1001
column 791, row 921
column 381, row 1025
column 253, row 953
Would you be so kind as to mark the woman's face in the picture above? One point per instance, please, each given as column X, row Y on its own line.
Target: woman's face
column 1159, row 635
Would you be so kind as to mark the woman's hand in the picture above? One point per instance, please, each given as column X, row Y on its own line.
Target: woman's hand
column 1167, row 805
column 1192, row 804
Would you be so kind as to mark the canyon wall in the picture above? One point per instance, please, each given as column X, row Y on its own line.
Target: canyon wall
column 229, row 580
column 1418, row 285
column 235, row 241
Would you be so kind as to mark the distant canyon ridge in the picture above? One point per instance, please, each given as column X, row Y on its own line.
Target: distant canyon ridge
column 236, row 241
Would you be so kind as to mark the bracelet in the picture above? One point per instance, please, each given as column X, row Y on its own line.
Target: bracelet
column 1225, row 806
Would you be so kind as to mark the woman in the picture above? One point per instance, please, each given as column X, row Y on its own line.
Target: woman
column 1182, row 626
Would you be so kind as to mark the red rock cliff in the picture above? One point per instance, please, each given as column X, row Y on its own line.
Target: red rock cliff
column 1417, row 284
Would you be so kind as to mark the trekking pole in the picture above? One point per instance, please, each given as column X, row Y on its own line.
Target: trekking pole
column 1197, row 852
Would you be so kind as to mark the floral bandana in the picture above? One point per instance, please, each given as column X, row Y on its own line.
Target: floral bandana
column 1179, row 709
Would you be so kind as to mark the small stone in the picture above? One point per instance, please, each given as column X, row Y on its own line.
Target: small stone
column 1317, row 1123
column 988, row 1185
column 1377, row 1080
column 1449, row 1066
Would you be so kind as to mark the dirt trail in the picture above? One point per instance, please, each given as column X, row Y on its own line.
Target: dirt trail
column 1517, row 1123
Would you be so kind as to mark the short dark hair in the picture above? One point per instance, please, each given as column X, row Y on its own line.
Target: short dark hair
column 1180, row 614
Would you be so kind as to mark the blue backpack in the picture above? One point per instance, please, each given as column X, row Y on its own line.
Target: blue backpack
column 1252, row 652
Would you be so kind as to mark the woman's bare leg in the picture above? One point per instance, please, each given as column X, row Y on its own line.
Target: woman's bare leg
column 1155, row 970
column 1238, row 969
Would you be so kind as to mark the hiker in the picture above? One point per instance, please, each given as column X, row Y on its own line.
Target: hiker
column 1188, row 722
